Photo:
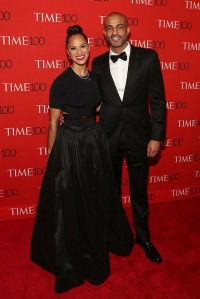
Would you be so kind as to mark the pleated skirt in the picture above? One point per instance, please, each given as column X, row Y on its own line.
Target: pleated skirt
column 79, row 217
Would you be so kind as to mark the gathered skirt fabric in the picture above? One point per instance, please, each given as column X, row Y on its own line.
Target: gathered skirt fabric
column 80, row 217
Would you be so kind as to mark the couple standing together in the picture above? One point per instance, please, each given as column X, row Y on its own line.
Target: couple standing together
column 80, row 217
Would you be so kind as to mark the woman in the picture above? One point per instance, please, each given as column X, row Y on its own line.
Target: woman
column 80, row 217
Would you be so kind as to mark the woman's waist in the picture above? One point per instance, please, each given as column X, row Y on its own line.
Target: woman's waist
column 82, row 123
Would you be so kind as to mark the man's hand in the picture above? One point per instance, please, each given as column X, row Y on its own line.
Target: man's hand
column 98, row 108
column 61, row 118
column 153, row 148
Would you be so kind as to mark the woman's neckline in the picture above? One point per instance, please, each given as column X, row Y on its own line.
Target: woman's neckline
column 81, row 77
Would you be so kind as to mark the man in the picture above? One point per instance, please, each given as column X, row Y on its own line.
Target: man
column 132, row 116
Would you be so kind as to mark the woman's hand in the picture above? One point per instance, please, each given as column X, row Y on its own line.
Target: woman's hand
column 53, row 123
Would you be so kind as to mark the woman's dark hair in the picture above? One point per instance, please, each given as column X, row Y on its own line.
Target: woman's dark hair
column 73, row 30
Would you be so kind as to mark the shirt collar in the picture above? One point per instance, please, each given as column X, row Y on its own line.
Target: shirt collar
column 127, row 50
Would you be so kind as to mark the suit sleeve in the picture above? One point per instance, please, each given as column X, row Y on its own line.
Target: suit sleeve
column 94, row 70
column 157, row 100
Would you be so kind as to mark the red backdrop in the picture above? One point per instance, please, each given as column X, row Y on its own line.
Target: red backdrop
column 32, row 45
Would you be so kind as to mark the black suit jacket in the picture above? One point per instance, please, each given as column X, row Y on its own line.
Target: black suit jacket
column 141, row 114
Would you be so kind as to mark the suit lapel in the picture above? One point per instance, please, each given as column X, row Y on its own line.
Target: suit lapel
column 132, row 73
column 109, row 81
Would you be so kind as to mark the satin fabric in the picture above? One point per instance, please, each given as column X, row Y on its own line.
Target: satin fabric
column 80, row 217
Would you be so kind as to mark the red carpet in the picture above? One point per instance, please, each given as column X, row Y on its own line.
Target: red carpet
column 175, row 229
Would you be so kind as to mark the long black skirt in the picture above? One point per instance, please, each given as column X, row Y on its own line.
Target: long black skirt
column 80, row 217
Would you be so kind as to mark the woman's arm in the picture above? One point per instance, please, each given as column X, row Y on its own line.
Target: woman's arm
column 53, row 123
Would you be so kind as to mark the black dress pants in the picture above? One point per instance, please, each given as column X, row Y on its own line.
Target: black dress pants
column 138, row 175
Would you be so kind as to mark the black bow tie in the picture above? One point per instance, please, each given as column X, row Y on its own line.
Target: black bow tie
column 122, row 56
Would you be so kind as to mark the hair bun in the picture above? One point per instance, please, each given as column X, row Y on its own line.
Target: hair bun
column 74, row 30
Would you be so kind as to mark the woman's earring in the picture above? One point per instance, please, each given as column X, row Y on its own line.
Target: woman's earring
column 68, row 56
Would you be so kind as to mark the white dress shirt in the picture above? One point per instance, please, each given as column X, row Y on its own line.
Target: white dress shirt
column 119, row 71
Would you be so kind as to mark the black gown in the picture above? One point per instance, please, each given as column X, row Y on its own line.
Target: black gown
column 80, row 217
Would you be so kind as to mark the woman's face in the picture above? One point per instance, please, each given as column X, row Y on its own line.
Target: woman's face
column 78, row 49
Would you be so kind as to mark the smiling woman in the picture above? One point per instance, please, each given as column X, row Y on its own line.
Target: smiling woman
column 77, row 49
column 80, row 217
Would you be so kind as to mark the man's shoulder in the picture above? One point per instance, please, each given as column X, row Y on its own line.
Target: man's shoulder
column 143, row 51
column 101, row 57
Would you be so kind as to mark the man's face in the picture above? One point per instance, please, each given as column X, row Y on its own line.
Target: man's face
column 116, row 32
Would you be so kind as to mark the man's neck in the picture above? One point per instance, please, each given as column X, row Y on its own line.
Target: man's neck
column 120, row 49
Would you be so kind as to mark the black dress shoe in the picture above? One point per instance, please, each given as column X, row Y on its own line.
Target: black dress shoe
column 150, row 251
